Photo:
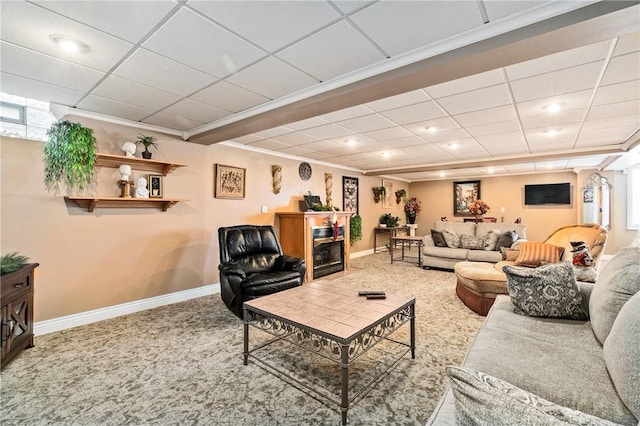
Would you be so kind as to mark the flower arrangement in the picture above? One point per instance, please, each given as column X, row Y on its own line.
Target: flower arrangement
column 412, row 205
column 478, row 207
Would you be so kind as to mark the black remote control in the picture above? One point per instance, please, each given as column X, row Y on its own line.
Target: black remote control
column 371, row 293
column 376, row 296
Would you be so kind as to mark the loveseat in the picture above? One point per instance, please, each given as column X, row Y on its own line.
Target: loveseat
column 530, row 370
column 447, row 257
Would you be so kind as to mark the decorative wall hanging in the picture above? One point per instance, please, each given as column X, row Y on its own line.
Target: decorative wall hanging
column 230, row 182
column 465, row 193
column 276, row 174
column 350, row 194
column 387, row 202
column 155, row 186
column 328, row 186
column 304, row 171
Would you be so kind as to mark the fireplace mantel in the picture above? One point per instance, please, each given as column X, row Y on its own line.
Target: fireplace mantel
column 296, row 236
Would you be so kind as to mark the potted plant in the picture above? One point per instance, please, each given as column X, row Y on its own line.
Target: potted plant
column 478, row 208
column 355, row 228
column 146, row 141
column 389, row 220
column 11, row 262
column 69, row 156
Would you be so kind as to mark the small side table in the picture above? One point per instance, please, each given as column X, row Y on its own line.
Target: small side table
column 406, row 240
column 392, row 231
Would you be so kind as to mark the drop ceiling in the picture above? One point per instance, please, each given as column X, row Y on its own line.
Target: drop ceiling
column 416, row 90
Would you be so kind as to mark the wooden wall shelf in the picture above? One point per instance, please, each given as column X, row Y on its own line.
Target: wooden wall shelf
column 115, row 161
column 90, row 203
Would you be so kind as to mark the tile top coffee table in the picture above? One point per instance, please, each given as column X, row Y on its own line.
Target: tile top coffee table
column 330, row 319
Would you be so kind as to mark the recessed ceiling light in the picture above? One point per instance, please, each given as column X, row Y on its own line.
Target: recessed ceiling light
column 385, row 154
column 443, row 174
column 453, row 146
column 552, row 107
column 68, row 44
column 551, row 132
column 351, row 142
column 431, row 129
column 490, row 170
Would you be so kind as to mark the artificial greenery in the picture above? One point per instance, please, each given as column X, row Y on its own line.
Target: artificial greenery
column 11, row 262
column 389, row 220
column 146, row 141
column 69, row 156
column 355, row 228
column 323, row 208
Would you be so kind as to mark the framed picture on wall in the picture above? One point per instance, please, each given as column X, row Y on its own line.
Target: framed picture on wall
column 387, row 201
column 350, row 194
column 465, row 193
column 155, row 186
column 229, row 182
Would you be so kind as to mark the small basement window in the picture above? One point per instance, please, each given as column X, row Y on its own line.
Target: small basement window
column 24, row 118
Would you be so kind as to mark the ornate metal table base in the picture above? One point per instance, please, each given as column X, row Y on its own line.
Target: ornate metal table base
column 338, row 350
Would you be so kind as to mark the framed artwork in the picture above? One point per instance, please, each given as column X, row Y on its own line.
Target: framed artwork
column 155, row 186
column 229, row 182
column 350, row 194
column 465, row 193
column 387, row 201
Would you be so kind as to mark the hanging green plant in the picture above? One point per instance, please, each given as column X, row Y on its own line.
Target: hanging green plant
column 11, row 262
column 69, row 156
column 355, row 228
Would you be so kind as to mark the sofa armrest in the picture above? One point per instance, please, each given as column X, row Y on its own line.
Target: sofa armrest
column 288, row 263
column 231, row 269
column 427, row 241
column 585, row 290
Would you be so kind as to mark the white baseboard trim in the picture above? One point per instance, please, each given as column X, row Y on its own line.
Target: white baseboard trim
column 62, row 323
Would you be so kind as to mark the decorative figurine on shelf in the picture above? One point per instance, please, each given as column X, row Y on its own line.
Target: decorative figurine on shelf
column 129, row 149
column 141, row 188
column 125, row 172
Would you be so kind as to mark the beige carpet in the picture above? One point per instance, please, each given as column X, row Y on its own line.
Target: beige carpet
column 182, row 364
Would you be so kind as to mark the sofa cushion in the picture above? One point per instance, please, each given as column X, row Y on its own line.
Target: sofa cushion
column 484, row 256
column 622, row 354
column 506, row 239
column 471, row 243
column 445, row 252
column 451, row 237
column 483, row 399
column 491, row 239
column 536, row 254
column 619, row 279
column 468, row 228
column 520, row 228
column 548, row 291
column 438, row 238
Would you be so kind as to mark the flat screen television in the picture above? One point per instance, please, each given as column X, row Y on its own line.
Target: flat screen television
column 549, row 193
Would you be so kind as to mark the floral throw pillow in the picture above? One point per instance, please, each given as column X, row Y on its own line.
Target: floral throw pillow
column 481, row 399
column 451, row 237
column 548, row 291
column 471, row 243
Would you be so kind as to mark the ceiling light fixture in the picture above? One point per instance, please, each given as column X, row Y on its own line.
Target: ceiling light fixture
column 551, row 132
column 453, row 146
column 351, row 142
column 551, row 108
column 431, row 129
column 68, row 44
column 443, row 174
column 385, row 154
column 490, row 170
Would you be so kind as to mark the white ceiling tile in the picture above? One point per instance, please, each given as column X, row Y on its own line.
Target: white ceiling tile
column 16, row 85
column 228, row 97
column 627, row 44
column 295, row 150
column 558, row 61
column 554, row 120
column 197, row 111
column 146, row 67
column 247, row 140
column 439, row 124
column 320, row 156
column 295, row 138
column 114, row 108
column 446, row 136
column 274, row 131
column 367, row 123
column 475, row 100
column 346, row 113
column 494, row 128
column 415, row 113
column 331, row 52
column 620, row 92
column 504, row 143
column 486, row 116
column 622, row 68
column 388, row 133
column 172, row 122
column 466, row 84
column 326, row 145
column 556, row 83
column 130, row 20
column 203, row 45
column 348, row 6
column 306, row 124
column 327, row 131
column 564, row 137
column 102, row 52
column 269, row 24
column 15, row 60
column 567, row 102
column 404, row 142
column 272, row 78
column 630, row 108
column 133, row 93
column 270, row 144
column 498, row 9
column 401, row 26
column 397, row 101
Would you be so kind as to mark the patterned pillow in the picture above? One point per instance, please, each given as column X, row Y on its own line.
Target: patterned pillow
column 509, row 254
column 438, row 238
column 536, row 254
column 471, row 243
column 507, row 239
column 548, row 291
column 451, row 237
column 491, row 240
column 481, row 399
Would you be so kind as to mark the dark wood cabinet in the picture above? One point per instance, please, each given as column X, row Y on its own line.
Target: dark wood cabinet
column 17, row 312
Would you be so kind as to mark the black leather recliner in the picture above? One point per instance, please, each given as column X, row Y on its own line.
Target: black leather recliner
column 252, row 265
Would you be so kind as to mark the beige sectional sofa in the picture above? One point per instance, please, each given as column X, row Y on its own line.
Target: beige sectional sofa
column 447, row 257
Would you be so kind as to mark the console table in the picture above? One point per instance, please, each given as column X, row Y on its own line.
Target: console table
column 392, row 231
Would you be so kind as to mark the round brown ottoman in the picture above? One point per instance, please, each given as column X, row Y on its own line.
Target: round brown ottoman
column 478, row 284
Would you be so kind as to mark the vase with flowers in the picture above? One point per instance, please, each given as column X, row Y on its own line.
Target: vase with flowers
column 478, row 208
column 411, row 209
